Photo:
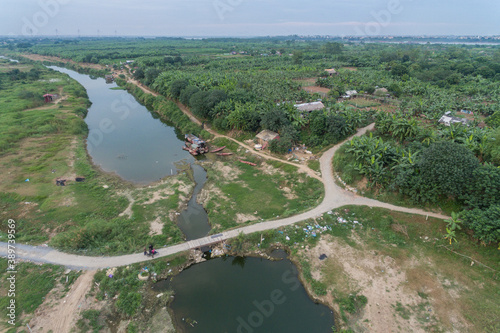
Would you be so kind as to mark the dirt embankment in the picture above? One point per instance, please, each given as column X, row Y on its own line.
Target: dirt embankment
column 61, row 314
column 38, row 57
column 403, row 296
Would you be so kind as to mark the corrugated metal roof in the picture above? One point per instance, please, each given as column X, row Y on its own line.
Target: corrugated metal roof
column 308, row 107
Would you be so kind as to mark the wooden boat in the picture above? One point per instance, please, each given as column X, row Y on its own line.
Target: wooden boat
column 195, row 145
column 249, row 163
column 224, row 154
column 217, row 149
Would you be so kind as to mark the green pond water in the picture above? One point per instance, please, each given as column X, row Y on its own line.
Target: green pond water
column 245, row 295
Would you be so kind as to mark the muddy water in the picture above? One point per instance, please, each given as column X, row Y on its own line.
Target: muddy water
column 194, row 220
column 124, row 137
column 245, row 295
column 127, row 139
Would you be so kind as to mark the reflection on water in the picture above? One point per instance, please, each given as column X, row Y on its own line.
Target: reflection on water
column 124, row 137
column 245, row 295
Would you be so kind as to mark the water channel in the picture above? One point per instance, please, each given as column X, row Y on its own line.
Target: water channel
column 229, row 294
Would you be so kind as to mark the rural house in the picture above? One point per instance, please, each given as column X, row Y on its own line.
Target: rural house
column 331, row 71
column 309, row 107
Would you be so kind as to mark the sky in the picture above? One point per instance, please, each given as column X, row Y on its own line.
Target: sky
column 188, row 18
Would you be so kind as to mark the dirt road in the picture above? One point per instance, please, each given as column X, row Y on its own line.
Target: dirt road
column 335, row 197
column 60, row 314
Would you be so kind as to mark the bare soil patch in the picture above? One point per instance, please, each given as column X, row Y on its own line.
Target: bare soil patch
column 316, row 89
column 403, row 295
column 156, row 227
column 61, row 314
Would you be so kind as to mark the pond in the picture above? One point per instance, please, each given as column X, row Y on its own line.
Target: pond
column 245, row 295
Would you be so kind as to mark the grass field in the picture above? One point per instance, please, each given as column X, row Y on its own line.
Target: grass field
column 41, row 142
column 237, row 193
column 393, row 271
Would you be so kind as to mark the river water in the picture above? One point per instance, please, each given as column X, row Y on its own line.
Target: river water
column 124, row 137
column 245, row 295
column 230, row 294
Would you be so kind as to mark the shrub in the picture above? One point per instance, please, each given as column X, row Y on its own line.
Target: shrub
column 484, row 223
column 129, row 302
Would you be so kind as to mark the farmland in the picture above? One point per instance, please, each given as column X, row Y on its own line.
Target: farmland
column 239, row 87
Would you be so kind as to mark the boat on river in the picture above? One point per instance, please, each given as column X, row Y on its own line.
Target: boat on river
column 194, row 145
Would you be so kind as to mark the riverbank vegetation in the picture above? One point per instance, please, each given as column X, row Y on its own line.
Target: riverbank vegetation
column 32, row 285
column 44, row 142
column 130, row 302
column 376, row 268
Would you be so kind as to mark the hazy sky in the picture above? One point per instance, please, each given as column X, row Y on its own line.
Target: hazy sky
column 250, row 17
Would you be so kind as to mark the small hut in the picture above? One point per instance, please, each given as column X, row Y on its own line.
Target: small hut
column 109, row 78
column 48, row 98
column 266, row 135
column 309, row 107
column 331, row 71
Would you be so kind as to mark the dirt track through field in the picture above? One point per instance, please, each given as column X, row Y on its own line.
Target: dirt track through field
column 61, row 316
column 335, row 197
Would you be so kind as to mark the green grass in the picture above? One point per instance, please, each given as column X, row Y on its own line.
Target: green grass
column 407, row 239
column 33, row 282
column 314, row 164
column 36, row 144
column 259, row 194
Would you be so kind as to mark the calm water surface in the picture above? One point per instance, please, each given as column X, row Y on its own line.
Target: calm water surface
column 246, row 295
column 124, row 137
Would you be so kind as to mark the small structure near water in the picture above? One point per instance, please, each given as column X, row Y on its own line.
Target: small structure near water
column 109, row 78
column 195, row 145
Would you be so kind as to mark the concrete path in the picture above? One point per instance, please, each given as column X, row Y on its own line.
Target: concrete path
column 335, row 197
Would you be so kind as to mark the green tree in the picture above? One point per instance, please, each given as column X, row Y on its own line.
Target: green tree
column 483, row 188
column 186, row 94
column 447, row 167
column 176, row 88
column 298, row 57
column 484, row 223
column 274, row 120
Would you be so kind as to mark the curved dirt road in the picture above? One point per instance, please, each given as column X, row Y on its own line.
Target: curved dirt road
column 335, row 197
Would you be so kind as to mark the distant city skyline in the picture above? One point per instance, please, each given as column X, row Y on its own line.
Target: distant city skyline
column 244, row 18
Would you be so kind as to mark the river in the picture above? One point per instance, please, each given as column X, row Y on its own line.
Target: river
column 229, row 294
column 127, row 139
column 124, row 137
